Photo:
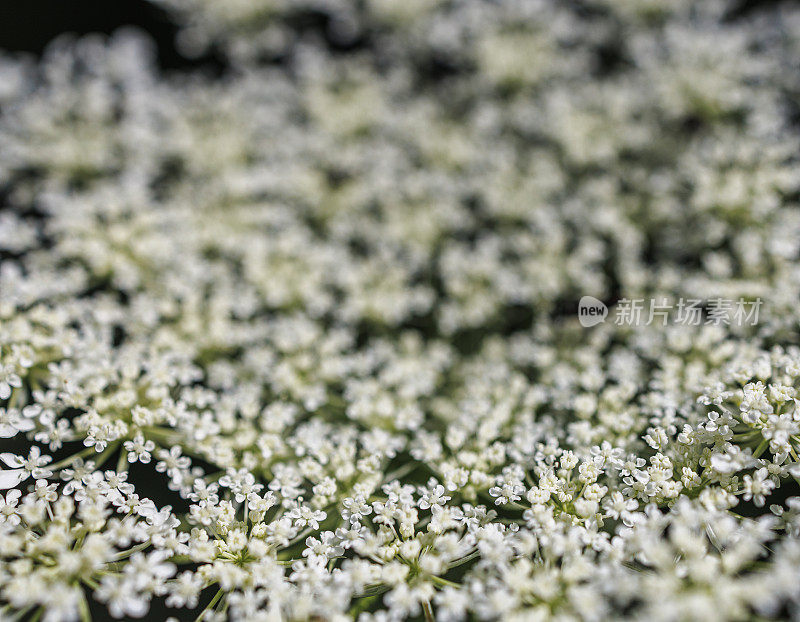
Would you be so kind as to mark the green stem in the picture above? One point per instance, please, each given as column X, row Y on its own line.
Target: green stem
column 362, row 605
column 67, row 461
column 400, row 472
column 464, row 560
column 19, row 615
column 83, row 605
column 374, row 590
column 443, row 581
column 131, row 551
column 210, row 605
column 122, row 462
column 760, row 449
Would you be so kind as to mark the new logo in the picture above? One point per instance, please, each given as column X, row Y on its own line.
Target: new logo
column 591, row 311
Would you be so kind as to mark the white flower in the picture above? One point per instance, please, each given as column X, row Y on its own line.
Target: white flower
column 139, row 449
column 432, row 495
column 757, row 486
column 8, row 507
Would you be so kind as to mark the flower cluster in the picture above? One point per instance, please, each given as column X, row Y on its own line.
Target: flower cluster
column 299, row 341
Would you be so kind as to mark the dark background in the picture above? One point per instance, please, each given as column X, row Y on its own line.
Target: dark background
column 29, row 25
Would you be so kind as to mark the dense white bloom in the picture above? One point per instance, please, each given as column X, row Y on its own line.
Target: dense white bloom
column 298, row 342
